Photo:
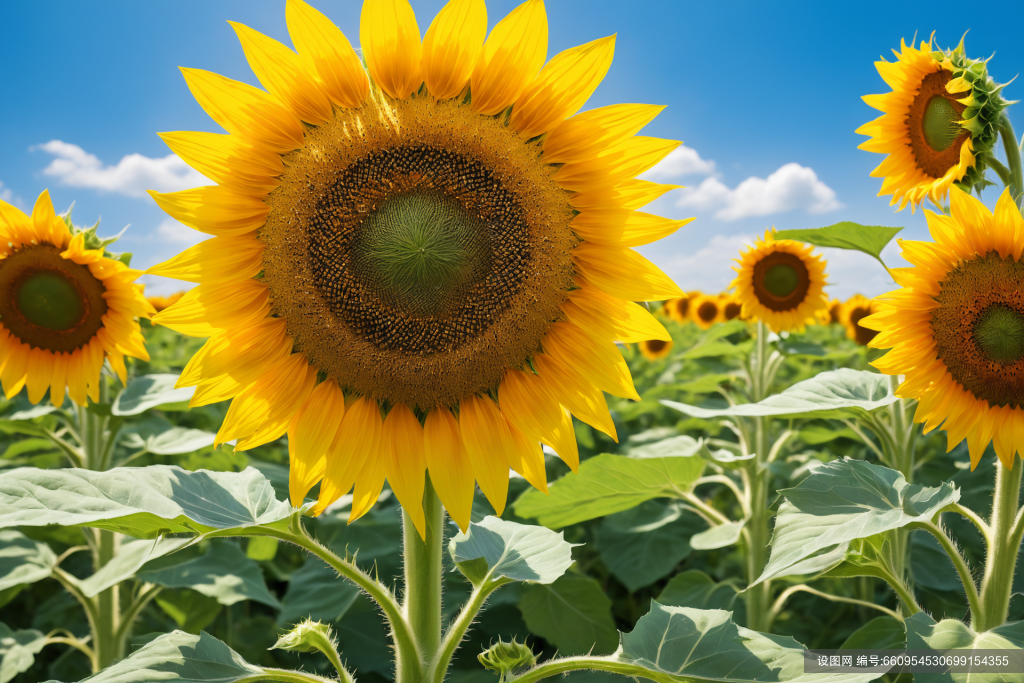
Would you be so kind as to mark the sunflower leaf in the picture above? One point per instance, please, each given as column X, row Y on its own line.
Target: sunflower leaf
column 573, row 613
column 923, row 633
column 18, row 650
column 835, row 395
column 149, row 391
column 870, row 239
column 23, row 560
column 512, row 551
column 223, row 573
column 131, row 556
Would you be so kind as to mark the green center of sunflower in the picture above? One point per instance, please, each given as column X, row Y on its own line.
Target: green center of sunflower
column 422, row 249
column 48, row 300
column 941, row 125
column 781, row 280
column 999, row 333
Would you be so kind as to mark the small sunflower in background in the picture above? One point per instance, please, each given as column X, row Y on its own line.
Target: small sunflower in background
column 831, row 314
column 780, row 282
column 956, row 328
column 939, row 123
column 678, row 309
column 655, row 349
column 731, row 306
column 159, row 303
column 705, row 310
column 420, row 268
column 65, row 307
column 853, row 311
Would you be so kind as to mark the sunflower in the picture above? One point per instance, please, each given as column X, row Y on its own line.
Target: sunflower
column 655, row 349
column 64, row 307
column 938, row 126
column 678, row 309
column 422, row 268
column 705, row 310
column 956, row 328
column 730, row 305
column 780, row 283
column 852, row 313
column 159, row 303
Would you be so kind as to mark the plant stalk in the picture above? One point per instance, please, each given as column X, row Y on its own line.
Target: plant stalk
column 1010, row 144
column 1003, row 546
column 758, row 598
column 108, row 649
column 424, row 574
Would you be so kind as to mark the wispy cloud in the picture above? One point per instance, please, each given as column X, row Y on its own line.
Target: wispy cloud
column 169, row 239
column 131, row 176
column 789, row 188
column 8, row 196
column 709, row 269
column 681, row 162
column 179, row 235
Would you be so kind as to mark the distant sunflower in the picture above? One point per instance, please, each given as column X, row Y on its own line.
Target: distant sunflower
column 853, row 312
column 678, row 309
column 159, row 303
column 730, row 305
column 956, row 328
column 655, row 349
column 64, row 307
column 938, row 126
column 705, row 310
column 422, row 268
column 780, row 283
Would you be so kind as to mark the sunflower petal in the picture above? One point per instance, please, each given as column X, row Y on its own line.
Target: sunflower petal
column 216, row 261
column 451, row 472
column 391, row 45
column 226, row 160
column 329, row 53
column 608, row 317
column 487, row 439
column 586, row 135
column 214, row 210
column 206, row 310
column 623, row 273
column 452, row 46
column 598, row 361
column 511, row 58
column 575, row 393
column 623, row 228
column 310, row 435
column 405, row 462
column 358, row 440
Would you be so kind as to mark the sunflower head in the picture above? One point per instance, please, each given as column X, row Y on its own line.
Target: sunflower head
column 159, row 303
column 938, row 124
column 66, row 305
column 655, row 349
column 956, row 328
column 705, row 310
column 853, row 311
column 731, row 306
column 780, row 282
column 678, row 309
column 420, row 266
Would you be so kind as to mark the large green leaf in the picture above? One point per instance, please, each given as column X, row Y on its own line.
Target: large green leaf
column 174, row 441
column 315, row 591
column 23, row 560
column 845, row 500
column 608, row 483
column 182, row 658
column 573, row 613
column 142, row 501
column 223, row 573
column 512, row 551
column 18, row 650
column 924, row 633
column 838, row 394
column 641, row 545
column 131, row 556
column 881, row 633
column 149, row 391
column 696, row 589
column 717, row 537
column 870, row 239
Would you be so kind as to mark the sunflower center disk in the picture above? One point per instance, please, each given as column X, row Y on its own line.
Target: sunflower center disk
column 48, row 300
column 999, row 333
column 940, row 125
column 781, row 280
column 422, row 250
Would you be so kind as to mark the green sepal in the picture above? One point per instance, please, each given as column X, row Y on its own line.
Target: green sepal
column 506, row 658
column 308, row 636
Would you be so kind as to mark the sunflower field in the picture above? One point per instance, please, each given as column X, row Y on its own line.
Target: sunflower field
column 422, row 413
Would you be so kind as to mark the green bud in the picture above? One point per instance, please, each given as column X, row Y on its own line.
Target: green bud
column 505, row 658
column 308, row 636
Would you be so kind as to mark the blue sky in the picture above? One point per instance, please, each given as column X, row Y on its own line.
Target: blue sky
column 766, row 95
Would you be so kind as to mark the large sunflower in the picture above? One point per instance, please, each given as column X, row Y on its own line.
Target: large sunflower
column 422, row 268
column 938, row 126
column 64, row 307
column 956, row 328
column 852, row 313
column 780, row 282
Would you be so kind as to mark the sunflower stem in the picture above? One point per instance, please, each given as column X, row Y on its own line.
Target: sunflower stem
column 756, row 528
column 1003, row 545
column 1010, row 144
column 423, row 578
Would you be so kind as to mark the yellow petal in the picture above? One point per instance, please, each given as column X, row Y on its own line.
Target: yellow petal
column 39, row 374
column 206, row 310
column 329, row 53
column 226, row 160
column 623, row 273
column 245, row 111
column 44, row 220
column 390, row 39
column 526, row 457
column 276, row 394
column 14, row 225
column 585, row 136
column 562, row 87
column 452, row 46
column 368, row 485
column 608, row 317
column 216, row 261
column 526, row 404
column 631, row 194
column 310, row 435
column 623, row 228
column 571, row 390
column 59, row 378
column 512, row 56
column 405, row 462
column 599, row 361
column 621, row 161
column 76, row 377
column 358, row 439
column 281, row 72
column 487, row 439
column 214, row 210
column 451, row 472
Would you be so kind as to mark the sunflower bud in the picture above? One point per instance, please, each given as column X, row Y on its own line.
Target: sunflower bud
column 308, row 636
column 506, row 658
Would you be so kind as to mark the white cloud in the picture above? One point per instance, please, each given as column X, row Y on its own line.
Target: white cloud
column 709, row 269
column 6, row 195
column 132, row 175
column 178, row 234
column 791, row 187
column 682, row 161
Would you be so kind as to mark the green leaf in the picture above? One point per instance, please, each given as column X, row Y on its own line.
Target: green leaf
column 513, row 551
column 192, row 611
column 573, row 613
column 924, row 633
column 837, row 394
column 720, row 536
column 18, row 650
column 881, row 633
column 696, row 589
column 261, row 548
column 818, row 433
column 608, row 483
column 930, row 564
column 174, row 441
column 316, row 592
column 182, row 658
column 720, row 347
column 131, row 556
column 681, row 446
column 697, row 646
column 846, row 500
column 223, row 573
column 149, row 391
column 142, row 501
column 23, row 560
column 870, row 239
column 642, row 545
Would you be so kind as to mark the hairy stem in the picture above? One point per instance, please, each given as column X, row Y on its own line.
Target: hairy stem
column 803, row 588
column 1003, row 546
column 1010, row 144
column 966, row 578
column 423, row 577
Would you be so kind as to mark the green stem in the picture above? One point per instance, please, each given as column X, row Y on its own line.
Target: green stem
column 438, row 669
column 966, row 578
column 108, row 649
column 565, row 665
column 423, row 577
column 1010, row 144
column 1003, row 546
column 803, row 588
column 149, row 592
column 756, row 527
column 285, row 675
